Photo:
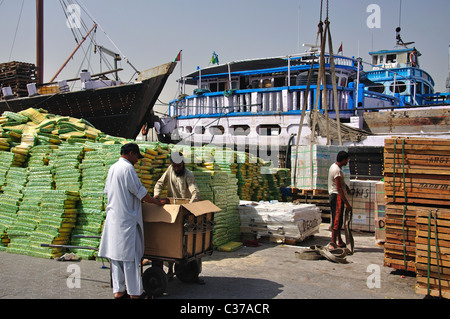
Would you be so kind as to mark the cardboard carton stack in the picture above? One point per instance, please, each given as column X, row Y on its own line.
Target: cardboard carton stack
column 313, row 163
column 363, row 200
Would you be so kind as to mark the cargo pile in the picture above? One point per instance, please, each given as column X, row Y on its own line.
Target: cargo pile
column 417, row 187
column 313, row 162
column 16, row 75
column 220, row 188
column 52, row 174
column 281, row 222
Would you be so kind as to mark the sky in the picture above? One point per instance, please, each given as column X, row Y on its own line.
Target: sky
column 150, row 32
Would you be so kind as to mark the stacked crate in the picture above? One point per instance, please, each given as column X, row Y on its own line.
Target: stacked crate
column 433, row 252
column 17, row 75
column 417, row 185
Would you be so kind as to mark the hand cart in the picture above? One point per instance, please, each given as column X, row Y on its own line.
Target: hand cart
column 196, row 242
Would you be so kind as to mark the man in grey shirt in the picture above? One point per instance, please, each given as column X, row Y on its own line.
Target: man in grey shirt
column 179, row 180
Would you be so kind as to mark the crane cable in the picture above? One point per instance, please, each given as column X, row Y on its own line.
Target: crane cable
column 323, row 34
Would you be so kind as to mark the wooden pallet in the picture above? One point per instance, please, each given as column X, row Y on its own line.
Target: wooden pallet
column 433, row 269
column 17, row 75
column 318, row 197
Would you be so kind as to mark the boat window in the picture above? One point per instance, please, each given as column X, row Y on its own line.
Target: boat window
column 379, row 88
column 418, row 88
column 213, row 87
column 279, row 82
column 400, row 87
column 374, row 59
column 217, row 130
column 390, row 58
column 268, row 130
column 256, row 84
column 240, row 130
column 244, row 83
column 293, row 80
column 267, row 83
column 199, row 130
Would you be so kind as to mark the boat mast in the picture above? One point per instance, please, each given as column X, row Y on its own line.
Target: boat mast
column 40, row 40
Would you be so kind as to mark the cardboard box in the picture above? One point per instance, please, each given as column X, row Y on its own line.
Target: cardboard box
column 380, row 213
column 363, row 200
column 179, row 230
column 313, row 164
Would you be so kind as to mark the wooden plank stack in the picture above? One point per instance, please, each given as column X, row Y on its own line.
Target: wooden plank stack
column 433, row 252
column 417, row 169
column 400, row 234
column 417, row 187
column 17, row 75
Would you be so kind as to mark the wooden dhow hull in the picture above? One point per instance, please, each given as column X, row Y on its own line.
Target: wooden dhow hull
column 118, row 110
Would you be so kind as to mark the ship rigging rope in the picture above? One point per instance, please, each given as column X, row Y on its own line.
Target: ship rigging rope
column 107, row 36
column 15, row 33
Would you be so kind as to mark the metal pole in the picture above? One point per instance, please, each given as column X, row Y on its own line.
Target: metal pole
column 40, row 40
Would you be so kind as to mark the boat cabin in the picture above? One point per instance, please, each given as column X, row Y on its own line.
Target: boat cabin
column 397, row 73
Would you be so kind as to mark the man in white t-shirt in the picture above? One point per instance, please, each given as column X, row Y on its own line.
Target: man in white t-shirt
column 337, row 190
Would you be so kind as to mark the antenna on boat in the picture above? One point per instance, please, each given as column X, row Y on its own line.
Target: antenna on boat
column 398, row 29
column 399, row 38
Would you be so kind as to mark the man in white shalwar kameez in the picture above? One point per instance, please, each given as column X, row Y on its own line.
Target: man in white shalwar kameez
column 123, row 237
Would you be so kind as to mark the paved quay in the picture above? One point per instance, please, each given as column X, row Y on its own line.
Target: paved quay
column 270, row 271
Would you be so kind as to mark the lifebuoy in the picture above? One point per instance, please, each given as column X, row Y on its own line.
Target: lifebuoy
column 144, row 129
column 412, row 58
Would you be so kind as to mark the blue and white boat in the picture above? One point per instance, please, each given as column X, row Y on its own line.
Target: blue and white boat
column 258, row 103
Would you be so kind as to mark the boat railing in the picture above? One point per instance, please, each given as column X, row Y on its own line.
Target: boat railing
column 436, row 98
column 282, row 100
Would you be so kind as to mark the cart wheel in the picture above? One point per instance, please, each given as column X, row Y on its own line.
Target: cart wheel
column 188, row 271
column 154, row 281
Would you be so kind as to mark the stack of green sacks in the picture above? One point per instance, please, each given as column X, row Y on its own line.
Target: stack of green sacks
column 65, row 161
column 10, row 200
column 203, row 180
column 233, row 222
column 39, row 155
column 91, row 207
column 39, row 180
column 57, row 217
column 223, row 185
